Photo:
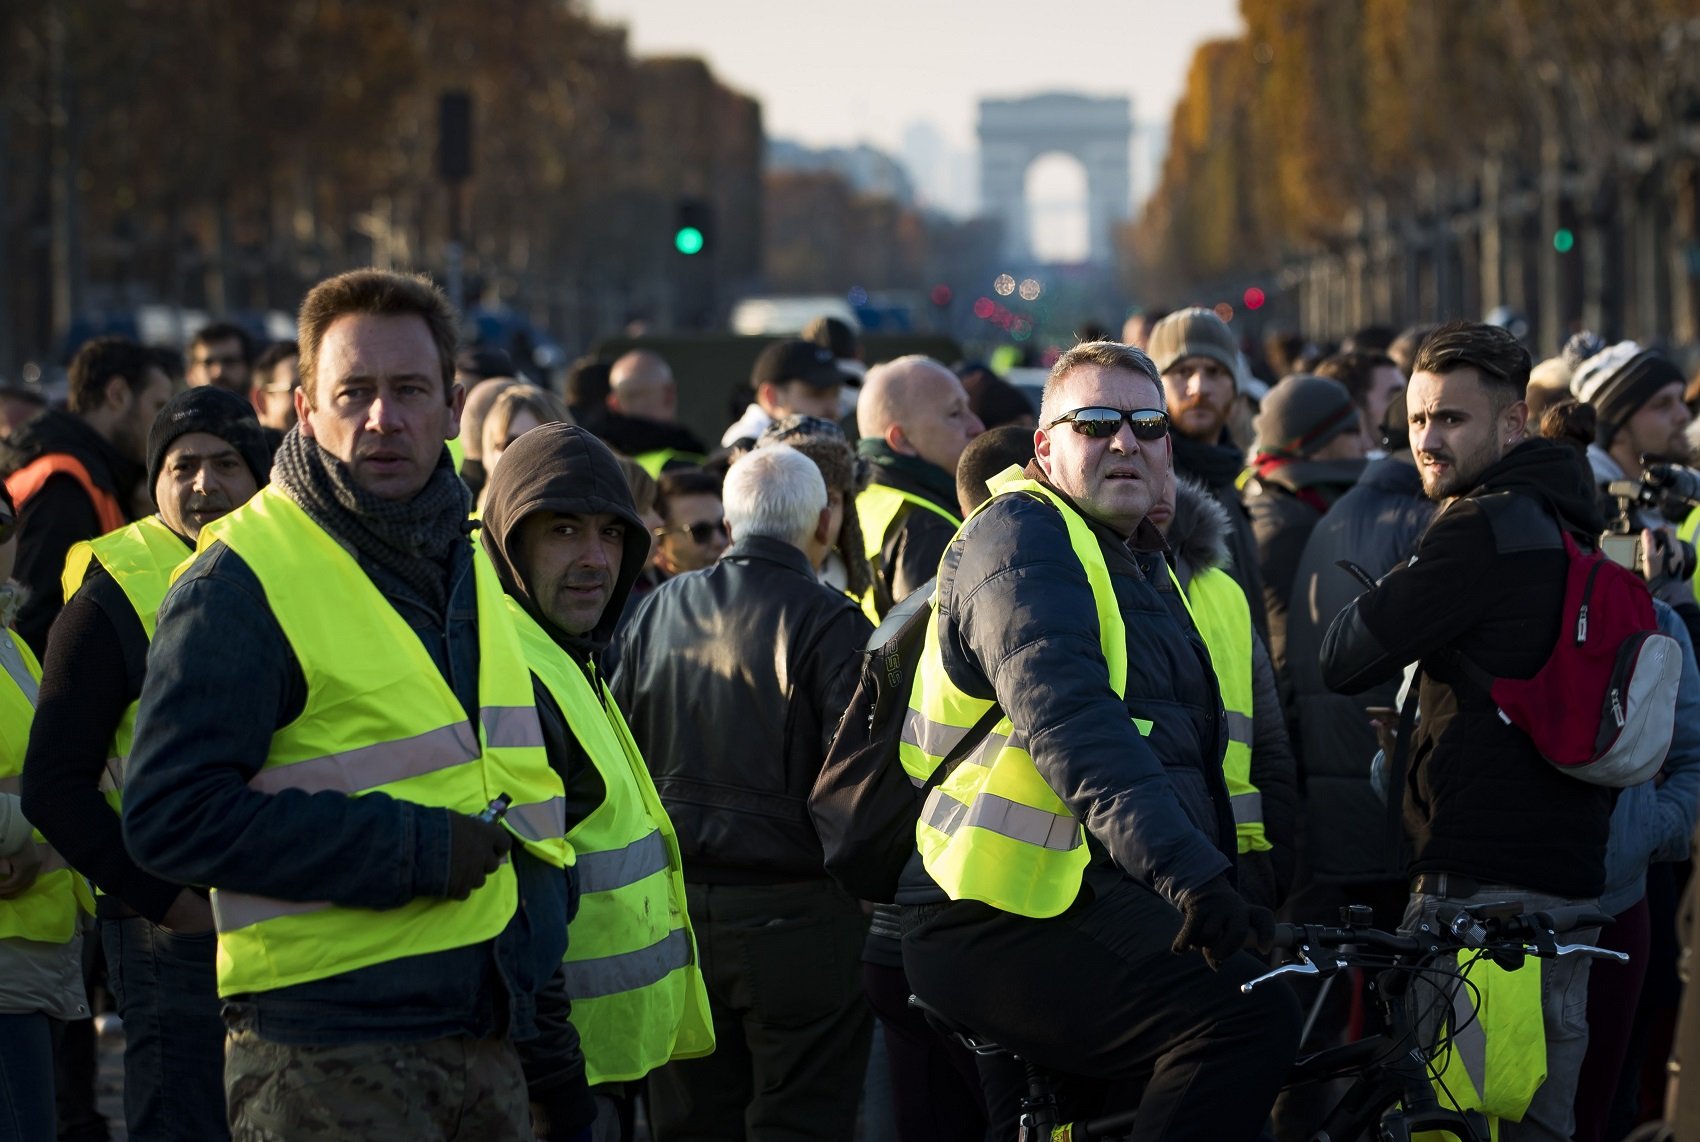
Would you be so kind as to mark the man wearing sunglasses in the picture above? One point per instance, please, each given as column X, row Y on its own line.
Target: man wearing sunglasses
column 693, row 530
column 206, row 456
column 1070, row 866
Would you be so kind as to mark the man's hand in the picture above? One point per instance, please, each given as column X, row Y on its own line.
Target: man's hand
column 1216, row 920
column 476, row 849
column 189, row 914
column 18, row 871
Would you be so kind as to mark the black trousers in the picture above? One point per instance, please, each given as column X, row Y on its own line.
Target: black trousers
column 791, row 1025
column 1095, row 993
column 935, row 1087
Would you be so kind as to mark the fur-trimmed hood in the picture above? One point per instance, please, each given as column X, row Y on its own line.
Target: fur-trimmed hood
column 1198, row 532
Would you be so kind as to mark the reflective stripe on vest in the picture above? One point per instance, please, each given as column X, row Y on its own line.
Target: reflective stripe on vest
column 631, row 964
column 1223, row 617
column 994, row 830
column 376, row 699
column 1498, row 1051
column 28, row 480
column 877, row 508
column 141, row 558
column 47, row 910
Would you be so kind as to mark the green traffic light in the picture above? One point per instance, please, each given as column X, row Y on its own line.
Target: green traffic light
column 688, row 240
column 1563, row 241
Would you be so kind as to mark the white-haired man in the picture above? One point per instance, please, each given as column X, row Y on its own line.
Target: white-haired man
column 733, row 679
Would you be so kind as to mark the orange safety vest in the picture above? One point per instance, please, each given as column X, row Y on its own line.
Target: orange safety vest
column 28, row 480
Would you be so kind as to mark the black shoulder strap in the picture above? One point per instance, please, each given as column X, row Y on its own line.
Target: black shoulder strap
column 975, row 735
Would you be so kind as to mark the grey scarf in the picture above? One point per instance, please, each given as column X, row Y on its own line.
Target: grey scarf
column 413, row 539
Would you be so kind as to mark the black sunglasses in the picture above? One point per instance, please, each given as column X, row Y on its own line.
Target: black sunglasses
column 699, row 532
column 1099, row 422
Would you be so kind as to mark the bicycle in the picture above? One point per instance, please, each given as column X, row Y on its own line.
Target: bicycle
column 1392, row 1094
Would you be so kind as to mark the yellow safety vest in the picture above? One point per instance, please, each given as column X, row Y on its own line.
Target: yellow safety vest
column 1687, row 531
column 141, row 559
column 379, row 718
column 877, row 508
column 632, row 970
column 46, row 911
column 1223, row 617
column 1499, row 1053
column 655, row 461
column 457, row 453
column 994, row 830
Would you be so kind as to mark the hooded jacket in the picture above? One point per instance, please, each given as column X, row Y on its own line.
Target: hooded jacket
column 1198, row 538
column 733, row 679
column 564, row 469
column 1487, row 583
column 61, row 513
column 1217, row 466
column 1375, row 525
column 1285, row 499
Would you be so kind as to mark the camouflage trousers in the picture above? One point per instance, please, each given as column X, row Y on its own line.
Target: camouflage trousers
column 459, row 1088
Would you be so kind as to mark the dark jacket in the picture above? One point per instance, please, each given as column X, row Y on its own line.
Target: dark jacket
column 61, row 513
column 733, row 679
column 909, row 553
column 635, row 435
column 221, row 679
column 1198, row 537
column 1015, row 625
column 1217, row 467
column 96, row 660
column 1375, row 525
column 1487, row 583
column 1285, row 501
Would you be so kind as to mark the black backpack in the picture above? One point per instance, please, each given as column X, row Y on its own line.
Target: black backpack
column 864, row 805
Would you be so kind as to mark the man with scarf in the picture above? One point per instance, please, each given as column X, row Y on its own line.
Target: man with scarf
column 915, row 422
column 1195, row 351
column 566, row 539
column 335, row 719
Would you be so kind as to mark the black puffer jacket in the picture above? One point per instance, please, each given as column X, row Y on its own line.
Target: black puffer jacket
column 909, row 554
column 1487, row 582
column 1015, row 614
column 1217, row 466
column 733, row 679
column 1375, row 525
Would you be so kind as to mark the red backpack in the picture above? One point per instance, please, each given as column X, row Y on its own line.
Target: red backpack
column 1603, row 707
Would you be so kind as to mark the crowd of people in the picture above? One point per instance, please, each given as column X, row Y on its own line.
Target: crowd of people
column 427, row 754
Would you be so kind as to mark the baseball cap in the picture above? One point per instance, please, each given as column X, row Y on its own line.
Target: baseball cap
column 797, row 360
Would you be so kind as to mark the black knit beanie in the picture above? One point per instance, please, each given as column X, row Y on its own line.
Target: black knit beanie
column 213, row 410
column 1618, row 380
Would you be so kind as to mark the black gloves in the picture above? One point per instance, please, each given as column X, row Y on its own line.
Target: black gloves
column 476, row 849
column 1216, row 920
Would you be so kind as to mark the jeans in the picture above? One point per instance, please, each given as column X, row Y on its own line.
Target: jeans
column 26, row 1076
column 167, row 995
column 1564, row 1011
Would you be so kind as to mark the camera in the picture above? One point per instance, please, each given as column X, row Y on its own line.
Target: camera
column 1672, row 482
column 1623, row 542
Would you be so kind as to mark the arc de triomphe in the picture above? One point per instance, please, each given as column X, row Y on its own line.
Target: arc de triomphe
column 1096, row 131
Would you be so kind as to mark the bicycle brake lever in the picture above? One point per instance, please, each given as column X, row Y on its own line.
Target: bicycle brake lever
column 1304, row 968
column 1592, row 951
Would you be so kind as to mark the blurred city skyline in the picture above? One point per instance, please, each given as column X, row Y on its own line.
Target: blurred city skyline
column 908, row 78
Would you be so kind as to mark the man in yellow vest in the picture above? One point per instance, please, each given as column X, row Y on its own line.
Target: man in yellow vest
column 915, row 422
column 206, row 456
column 560, row 526
column 41, row 900
column 337, row 734
column 1069, row 867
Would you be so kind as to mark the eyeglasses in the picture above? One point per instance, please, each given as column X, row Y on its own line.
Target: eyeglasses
column 1099, row 423
column 700, row 533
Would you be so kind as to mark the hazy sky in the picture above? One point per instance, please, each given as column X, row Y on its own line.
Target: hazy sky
column 866, row 70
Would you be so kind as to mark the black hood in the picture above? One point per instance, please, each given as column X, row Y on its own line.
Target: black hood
column 1198, row 531
column 1557, row 475
column 53, row 430
column 561, row 468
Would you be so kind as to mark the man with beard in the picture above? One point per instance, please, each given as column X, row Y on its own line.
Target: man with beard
column 1195, row 351
column 72, row 474
column 1639, row 416
column 1487, row 818
column 206, row 456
